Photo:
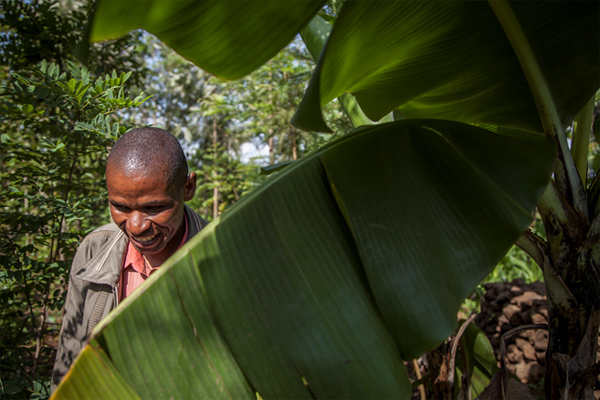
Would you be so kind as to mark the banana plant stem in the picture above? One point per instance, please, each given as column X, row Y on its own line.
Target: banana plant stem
column 581, row 138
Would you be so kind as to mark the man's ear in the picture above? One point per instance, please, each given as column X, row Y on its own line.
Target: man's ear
column 189, row 188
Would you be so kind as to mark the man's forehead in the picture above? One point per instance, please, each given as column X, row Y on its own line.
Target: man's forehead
column 114, row 171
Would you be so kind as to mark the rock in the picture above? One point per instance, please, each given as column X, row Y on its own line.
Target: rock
column 502, row 297
column 540, row 340
column 521, row 370
column 541, row 357
column 535, row 373
column 527, row 348
column 509, row 305
column 516, row 319
column 516, row 290
column 525, row 299
column 510, row 310
column 513, row 354
column 540, row 303
column 538, row 318
column 527, row 333
column 525, row 317
column 538, row 287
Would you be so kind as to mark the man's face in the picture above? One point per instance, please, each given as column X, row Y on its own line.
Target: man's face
column 148, row 211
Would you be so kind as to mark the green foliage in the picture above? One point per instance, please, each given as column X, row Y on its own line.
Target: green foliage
column 57, row 124
column 515, row 264
column 236, row 37
column 222, row 181
column 203, row 110
column 269, row 97
column 259, row 107
column 395, row 55
column 386, row 71
column 476, row 361
column 36, row 30
column 176, row 87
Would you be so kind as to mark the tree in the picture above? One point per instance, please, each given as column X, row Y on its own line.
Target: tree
column 514, row 67
column 222, row 180
column 176, row 87
column 256, row 109
column 265, row 101
column 57, row 120
column 57, row 128
column 38, row 30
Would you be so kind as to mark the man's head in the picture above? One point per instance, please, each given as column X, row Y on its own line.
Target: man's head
column 148, row 183
column 150, row 150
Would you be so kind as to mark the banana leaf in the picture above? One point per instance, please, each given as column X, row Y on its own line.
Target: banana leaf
column 315, row 35
column 229, row 39
column 475, row 360
column 322, row 281
column 453, row 60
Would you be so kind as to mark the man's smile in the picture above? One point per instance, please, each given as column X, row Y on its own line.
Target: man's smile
column 145, row 241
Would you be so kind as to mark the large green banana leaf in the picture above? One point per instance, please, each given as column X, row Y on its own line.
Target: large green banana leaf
column 453, row 60
column 320, row 282
column 449, row 59
column 315, row 35
column 229, row 39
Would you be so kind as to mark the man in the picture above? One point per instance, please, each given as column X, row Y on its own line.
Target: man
column 148, row 183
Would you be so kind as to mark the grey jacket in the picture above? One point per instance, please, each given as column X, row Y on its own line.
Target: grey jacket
column 93, row 288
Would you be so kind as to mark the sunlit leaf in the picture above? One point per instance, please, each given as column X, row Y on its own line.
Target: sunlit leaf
column 229, row 39
column 453, row 60
column 96, row 377
column 315, row 35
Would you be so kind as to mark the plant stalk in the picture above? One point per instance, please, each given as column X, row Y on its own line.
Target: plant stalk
column 581, row 138
column 534, row 246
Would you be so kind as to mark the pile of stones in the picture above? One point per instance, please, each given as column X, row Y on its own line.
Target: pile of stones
column 514, row 304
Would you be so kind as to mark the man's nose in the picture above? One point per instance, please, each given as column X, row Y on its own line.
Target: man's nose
column 137, row 223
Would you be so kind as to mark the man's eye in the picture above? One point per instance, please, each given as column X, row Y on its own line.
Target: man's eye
column 120, row 208
column 154, row 209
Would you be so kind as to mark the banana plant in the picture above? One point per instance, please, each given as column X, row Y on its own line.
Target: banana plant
column 356, row 257
column 426, row 65
column 322, row 281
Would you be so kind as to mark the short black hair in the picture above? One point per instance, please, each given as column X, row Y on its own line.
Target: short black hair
column 150, row 150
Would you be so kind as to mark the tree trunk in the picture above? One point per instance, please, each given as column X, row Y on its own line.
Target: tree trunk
column 271, row 149
column 571, row 275
column 215, row 202
column 215, row 135
column 294, row 145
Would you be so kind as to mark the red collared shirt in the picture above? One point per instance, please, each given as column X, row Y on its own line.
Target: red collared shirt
column 136, row 270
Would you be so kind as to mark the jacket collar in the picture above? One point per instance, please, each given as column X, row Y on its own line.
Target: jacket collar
column 106, row 265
